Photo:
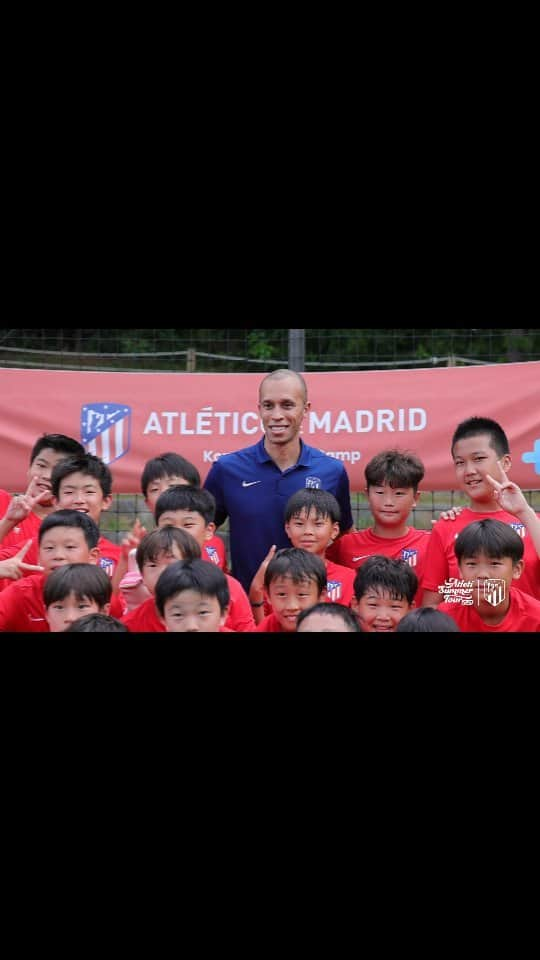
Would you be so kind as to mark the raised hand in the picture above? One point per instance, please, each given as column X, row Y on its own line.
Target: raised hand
column 14, row 567
column 508, row 495
column 22, row 504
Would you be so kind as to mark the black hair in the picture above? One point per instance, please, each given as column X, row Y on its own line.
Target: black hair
column 86, row 580
column 350, row 622
column 198, row 575
column 57, row 442
column 381, row 573
column 306, row 499
column 71, row 518
column 477, row 425
column 169, row 465
column 492, row 537
column 87, row 464
column 162, row 541
column 97, row 623
column 427, row 620
column 297, row 564
column 394, row 468
column 184, row 497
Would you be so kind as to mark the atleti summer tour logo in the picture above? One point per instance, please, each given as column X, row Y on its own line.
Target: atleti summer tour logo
column 461, row 591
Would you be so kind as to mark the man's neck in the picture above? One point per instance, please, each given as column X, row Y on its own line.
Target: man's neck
column 284, row 455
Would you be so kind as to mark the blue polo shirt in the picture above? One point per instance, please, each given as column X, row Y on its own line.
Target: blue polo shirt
column 252, row 492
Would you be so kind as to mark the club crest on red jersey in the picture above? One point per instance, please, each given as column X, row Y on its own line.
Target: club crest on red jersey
column 106, row 430
column 410, row 556
column 213, row 555
column 334, row 589
column 519, row 528
column 107, row 565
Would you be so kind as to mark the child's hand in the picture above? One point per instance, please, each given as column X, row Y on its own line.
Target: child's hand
column 15, row 568
column 22, row 504
column 451, row 514
column 133, row 538
column 508, row 495
column 256, row 590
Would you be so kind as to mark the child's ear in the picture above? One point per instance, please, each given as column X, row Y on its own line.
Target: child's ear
column 335, row 533
column 106, row 608
column 210, row 530
column 224, row 615
column 518, row 569
column 324, row 596
column 417, row 496
column 93, row 555
column 106, row 502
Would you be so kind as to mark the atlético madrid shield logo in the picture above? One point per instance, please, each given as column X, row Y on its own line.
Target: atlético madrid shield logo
column 106, row 430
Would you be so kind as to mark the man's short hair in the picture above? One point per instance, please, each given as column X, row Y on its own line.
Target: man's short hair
column 281, row 374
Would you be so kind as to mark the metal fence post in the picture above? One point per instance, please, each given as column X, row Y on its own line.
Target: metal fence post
column 297, row 349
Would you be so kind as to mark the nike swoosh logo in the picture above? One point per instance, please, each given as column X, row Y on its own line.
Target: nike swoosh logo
column 251, row 483
column 363, row 557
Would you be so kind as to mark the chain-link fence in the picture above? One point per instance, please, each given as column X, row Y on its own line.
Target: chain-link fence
column 253, row 350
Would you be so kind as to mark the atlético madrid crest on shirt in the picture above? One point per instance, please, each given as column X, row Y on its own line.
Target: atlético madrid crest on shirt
column 212, row 555
column 410, row 556
column 519, row 528
column 333, row 589
column 106, row 430
column 314, row 482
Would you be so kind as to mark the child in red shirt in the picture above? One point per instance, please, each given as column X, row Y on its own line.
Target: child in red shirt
column 482, row 460
column 65, row 536
column 490, row 559
column 193, row 509
column 384, row 592
column 21, row 515
column 156, row 551
column 311, row 523
column 169, row 470
column 193, row 597
column 73, row 591
column 294, row 580
column 392, row 480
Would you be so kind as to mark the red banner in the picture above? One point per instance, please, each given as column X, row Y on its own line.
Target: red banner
column 126, row 418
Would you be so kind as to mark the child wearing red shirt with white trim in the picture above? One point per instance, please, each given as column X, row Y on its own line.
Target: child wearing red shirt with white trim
column 65, row 536
column 490, row 558
column 392, row 480
column 311, row 523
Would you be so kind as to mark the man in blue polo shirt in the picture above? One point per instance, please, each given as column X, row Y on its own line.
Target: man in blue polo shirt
column 252, row 486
